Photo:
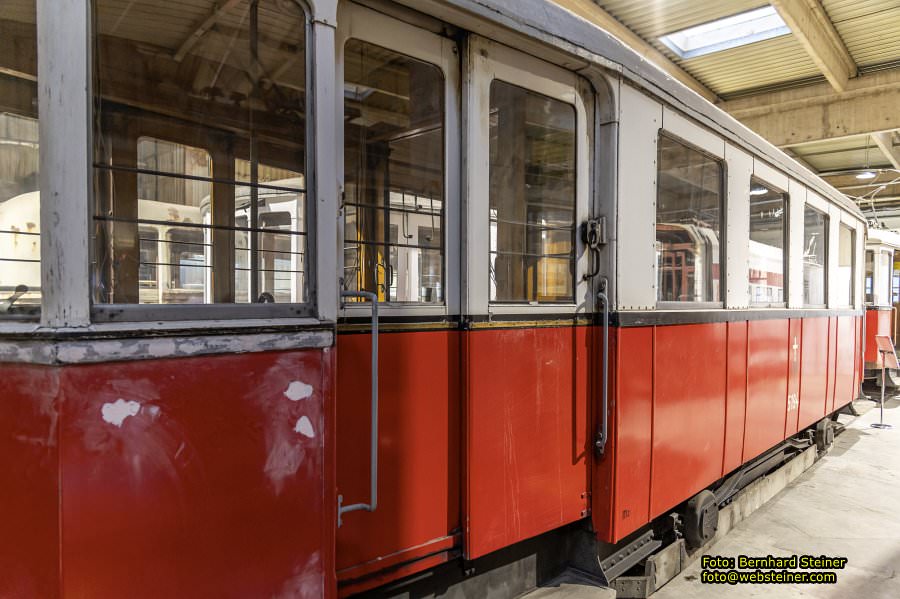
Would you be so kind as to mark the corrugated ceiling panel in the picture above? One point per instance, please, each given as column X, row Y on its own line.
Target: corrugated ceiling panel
column 756, row 65
column 654, row 18
column 870, row 28
column 747, row 67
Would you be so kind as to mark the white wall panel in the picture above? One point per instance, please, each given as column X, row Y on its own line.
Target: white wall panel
column 692, row 133
column 834, row 223
column 640, row 118
column 796, row 204
column 737, row 233
column 770, row 175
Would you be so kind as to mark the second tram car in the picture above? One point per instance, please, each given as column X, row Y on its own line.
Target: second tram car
column 880, row 299
column 330, row 297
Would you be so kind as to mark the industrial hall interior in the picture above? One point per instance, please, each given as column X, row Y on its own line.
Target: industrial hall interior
column 449, row 299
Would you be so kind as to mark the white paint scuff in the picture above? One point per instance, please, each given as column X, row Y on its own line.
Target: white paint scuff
column 298, row 390
column 116, row 412
column 304, row 427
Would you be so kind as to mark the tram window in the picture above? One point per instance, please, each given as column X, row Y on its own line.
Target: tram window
column 200, row 135
column 844, row 283
column 815, row 250
column 688, row 224
column 148, row 271
column 393, row 175
column 20, row 245
column 532, row 197
column 768, row 261
column 870, row 277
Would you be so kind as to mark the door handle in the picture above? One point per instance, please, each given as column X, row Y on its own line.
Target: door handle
column 373, row 451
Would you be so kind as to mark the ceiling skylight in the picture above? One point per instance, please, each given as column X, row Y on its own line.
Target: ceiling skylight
column 737, row 30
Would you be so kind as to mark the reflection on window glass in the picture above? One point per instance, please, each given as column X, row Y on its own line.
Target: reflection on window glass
column 688, row 224
column 870, row 277
column 815, row 246
column 767, row 233
column 844, row 285
column 393, row 175
column 20, row 244
column 532, row 196
column 200, row 145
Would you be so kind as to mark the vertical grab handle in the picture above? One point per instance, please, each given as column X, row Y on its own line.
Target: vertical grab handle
column 373, row 450
column 602, row 436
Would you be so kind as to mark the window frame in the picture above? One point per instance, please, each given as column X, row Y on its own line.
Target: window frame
column 360, row 23
column 826, row 281
column 854, row 242
column 786, row 241
column 488, row 61
column 136, row 312
column 723, row 226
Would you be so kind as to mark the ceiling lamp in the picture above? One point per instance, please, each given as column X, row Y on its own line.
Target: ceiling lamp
column 866, row 174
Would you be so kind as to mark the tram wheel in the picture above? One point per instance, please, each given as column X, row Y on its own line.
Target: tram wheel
column 701, row 518
column 824, row 435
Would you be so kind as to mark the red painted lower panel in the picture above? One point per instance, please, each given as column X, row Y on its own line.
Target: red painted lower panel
column 736, row 402
column 795, row 345
column 814, row 371
column 767, row 369
column 197, row 477
column 29, row 472
column 688, row 412
column 846, row 362
column 527, row 433
column 419, row 436
column 633, row 429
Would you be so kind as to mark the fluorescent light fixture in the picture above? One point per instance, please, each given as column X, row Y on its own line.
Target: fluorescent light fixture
column 866, row 176
column 759, row 191
column 730, row 32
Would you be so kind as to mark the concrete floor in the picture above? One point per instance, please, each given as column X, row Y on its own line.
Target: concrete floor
column 847, row 505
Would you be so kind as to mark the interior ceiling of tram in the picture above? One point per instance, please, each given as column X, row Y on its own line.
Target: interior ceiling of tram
column 824, row 86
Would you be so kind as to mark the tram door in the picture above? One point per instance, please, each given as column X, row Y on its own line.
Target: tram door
column 527, row 368
column 400, row 201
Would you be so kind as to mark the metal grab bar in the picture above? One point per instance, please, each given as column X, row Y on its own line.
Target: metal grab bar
column 600, row 443
column 373, row 451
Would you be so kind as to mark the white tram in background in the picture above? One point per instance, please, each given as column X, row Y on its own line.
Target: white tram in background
column 603, row 305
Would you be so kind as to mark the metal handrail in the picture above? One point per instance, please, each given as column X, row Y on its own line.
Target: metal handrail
column 602, row 436
column 373, row 450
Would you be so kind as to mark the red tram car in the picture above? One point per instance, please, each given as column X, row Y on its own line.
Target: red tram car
column 591, row 298
column 880, row 300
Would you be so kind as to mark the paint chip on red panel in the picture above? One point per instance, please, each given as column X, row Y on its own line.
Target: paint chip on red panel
column 298, row 390
column 116, row 412
column 305, row 427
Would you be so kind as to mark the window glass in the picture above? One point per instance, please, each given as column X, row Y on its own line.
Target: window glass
column 532, row 196
column 870, row 276
column 199, row 152
column 768, row 261
column 688, row 224
column 393, row 175
column 20, row 244
column 815, row 246
column 844, row 284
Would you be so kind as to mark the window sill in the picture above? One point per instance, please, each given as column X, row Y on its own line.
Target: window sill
column 105, row 342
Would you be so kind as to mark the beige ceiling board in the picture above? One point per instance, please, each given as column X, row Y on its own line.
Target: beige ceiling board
column 753, row 66
column 815, row 31
column 870, row 28
column 592, row 12
column 652, row 19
